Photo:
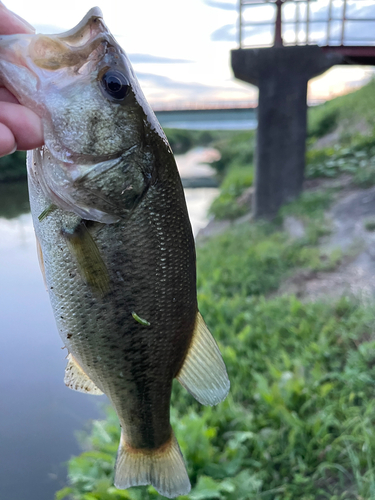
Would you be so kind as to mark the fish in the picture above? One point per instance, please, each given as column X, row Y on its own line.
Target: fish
column 114, row 242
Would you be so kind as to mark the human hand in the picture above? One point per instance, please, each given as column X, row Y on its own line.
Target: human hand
column 20, row 128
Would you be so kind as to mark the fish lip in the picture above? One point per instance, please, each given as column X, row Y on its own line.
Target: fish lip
column 93, row 12
column 83, row 39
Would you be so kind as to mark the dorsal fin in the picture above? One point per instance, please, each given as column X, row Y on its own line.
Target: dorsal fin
column 203, row 373
column 77, row 380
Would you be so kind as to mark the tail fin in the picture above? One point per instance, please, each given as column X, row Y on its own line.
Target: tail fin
column 164, row 468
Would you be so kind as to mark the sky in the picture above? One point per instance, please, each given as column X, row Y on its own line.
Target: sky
column 180, row 50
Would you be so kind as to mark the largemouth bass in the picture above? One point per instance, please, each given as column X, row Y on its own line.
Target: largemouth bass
column 115, row 242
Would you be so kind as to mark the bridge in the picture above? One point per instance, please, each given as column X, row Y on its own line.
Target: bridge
column 220, row 117
column 283, row 44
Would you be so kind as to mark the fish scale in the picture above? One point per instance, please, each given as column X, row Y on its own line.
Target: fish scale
column 114, row 242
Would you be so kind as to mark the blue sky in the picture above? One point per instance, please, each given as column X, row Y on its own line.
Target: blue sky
column 180, row 50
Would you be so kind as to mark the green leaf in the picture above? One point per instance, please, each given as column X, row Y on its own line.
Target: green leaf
column 64, row 493
column 206, row 488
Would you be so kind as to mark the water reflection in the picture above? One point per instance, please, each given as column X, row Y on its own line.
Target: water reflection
column 38, row 415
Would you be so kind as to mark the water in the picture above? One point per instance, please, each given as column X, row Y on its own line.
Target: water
column 38, row 414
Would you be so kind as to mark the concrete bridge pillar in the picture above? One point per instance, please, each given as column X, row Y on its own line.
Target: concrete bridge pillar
column 281, row 73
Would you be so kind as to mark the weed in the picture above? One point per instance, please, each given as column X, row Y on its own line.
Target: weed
column 227, row 205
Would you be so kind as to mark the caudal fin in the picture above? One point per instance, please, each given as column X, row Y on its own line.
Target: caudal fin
column 164, row 468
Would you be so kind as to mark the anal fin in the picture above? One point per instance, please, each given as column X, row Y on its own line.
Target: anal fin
column 203, row 373
column 77, row 380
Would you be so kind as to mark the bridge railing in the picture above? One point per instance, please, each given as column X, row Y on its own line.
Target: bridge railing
column 265, row 23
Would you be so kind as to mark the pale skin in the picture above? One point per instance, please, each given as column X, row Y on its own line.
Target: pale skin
column 20, row 128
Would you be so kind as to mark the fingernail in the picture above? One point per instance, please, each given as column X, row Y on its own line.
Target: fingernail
column 10, row 152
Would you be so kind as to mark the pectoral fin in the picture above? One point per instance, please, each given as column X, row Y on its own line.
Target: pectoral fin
column 203, row 373
column 91, row 265
column 77, row 380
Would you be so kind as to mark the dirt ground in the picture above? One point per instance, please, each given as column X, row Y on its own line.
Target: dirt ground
column 352, row 219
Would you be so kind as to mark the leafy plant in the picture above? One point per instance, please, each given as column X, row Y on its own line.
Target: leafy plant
column 236, row 150
column 357, row 160
column 228, row 204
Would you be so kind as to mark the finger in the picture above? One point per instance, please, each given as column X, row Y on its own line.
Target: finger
column 7, row 96
column 25, row 125
column 11, row 23
column 7, row 141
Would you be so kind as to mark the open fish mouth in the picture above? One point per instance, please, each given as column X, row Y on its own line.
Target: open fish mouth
column 78, row 49
column 81, row 84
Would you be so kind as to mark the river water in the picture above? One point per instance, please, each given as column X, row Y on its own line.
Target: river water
column 38, row 414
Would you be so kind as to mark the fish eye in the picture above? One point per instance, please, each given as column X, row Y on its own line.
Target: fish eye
column 115, row 85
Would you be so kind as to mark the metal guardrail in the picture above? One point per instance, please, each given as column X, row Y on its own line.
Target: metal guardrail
column 336, row 27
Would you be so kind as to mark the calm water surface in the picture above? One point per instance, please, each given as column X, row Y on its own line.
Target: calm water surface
column 38, row 414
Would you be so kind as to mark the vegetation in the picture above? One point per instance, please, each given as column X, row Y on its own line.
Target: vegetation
column 183, row 140
column 357, row 160
column 347, row 112
column 228, row 205
column 14, row 199
column 13, row 167
column 299, row 421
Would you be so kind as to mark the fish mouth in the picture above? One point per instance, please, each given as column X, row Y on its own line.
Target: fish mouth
column 74, row 48
column 79, row 33
column 54, row 57
column 36, row 68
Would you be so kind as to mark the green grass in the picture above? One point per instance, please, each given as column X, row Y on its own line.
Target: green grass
column 354, row 154
column 236, row 149
column 226, row 205
column 344, row 110
column 358, row 160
